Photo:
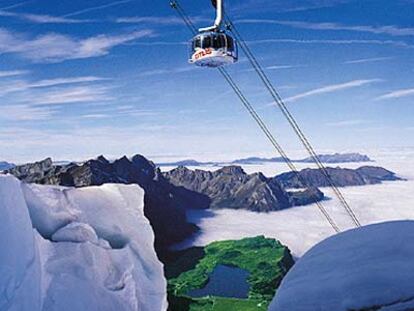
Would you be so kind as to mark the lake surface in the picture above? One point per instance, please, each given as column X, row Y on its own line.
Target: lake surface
column 225, row 281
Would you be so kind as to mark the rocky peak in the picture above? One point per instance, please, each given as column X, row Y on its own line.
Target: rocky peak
column 181, row 170
column 33, row 171
column 231, row 170
column 341, row 177
column 145, row 166
column 377, row 174
column 142, row 162
column 231, row 187
column 102, row 160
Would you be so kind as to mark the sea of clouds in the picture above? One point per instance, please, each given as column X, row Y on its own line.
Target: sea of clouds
column 300, row 228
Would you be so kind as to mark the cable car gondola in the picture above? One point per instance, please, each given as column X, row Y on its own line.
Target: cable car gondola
column 213, row 46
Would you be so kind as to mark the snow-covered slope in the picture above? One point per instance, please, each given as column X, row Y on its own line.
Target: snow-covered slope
column 77, row 249
column 369, row 268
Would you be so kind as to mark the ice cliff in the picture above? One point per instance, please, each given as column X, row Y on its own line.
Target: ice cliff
column 77, row 249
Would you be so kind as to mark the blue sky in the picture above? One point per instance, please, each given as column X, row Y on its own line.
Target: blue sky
column 82, row 78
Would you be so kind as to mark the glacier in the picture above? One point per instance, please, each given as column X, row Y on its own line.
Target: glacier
column 72, row 249
column 369, row 268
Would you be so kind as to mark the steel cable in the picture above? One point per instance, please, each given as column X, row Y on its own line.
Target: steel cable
column 175, row 5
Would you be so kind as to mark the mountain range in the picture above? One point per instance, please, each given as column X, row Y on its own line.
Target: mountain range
column 325, row 158
column 170, row 194
column 231, row 187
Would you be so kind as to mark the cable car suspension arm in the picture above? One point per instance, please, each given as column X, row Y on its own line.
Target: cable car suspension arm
column 218, row 4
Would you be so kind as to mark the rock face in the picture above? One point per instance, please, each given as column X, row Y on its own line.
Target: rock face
column 339, row 158
column 69, row 249
column 366, row 175
column 164, row 202
column 231, row 187
column 368, row 268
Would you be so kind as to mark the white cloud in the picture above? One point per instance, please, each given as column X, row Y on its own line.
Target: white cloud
column 99, row 7
column 346, row 123
column 72, row 95
column 397, row 94
column 332, row 88
column 167, row 71
column 95, row 116
column 41, row 19
column 60, row 81
column 23, row 85
column 367, row 60
column 25, row 113
column 392, row 30
column 371, row 203
column 161, row 43
column 158, row 20
column 277, row 67
column 283, row 6
column 54, row 47
column 168, row 20
column 334, row 42
column 12, row 73
column 16, row 5
column 76, row 142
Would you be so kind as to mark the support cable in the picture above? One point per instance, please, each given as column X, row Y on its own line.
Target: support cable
column 292, row 121
column 175, row 5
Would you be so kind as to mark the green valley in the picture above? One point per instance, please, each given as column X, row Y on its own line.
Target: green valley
column 265, row 260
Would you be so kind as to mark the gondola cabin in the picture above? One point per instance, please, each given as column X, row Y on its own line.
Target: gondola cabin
column 213, row 49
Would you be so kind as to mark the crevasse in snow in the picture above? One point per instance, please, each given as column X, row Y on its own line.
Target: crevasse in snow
column 368, row 268
column 77, row 249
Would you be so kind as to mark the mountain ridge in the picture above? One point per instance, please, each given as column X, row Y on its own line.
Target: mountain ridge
column 231, row 187
column 352, row 157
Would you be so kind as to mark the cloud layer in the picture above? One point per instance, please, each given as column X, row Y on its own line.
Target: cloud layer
column 332, row 88
column 397, row 94
column 53, row 47
column 392, row 30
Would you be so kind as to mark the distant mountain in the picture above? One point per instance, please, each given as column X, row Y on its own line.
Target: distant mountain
column 338, row 158
column 342, row 177
column 6, row 165
column 231, row 187
column 325, row 158
column 186, row 163
column 250, row 160
column 164, row 202
column 257, row 160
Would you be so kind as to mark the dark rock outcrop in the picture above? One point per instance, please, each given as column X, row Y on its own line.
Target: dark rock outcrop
column 165, row 204
column 305, row 197
column 231, row 187
column 341, row 177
